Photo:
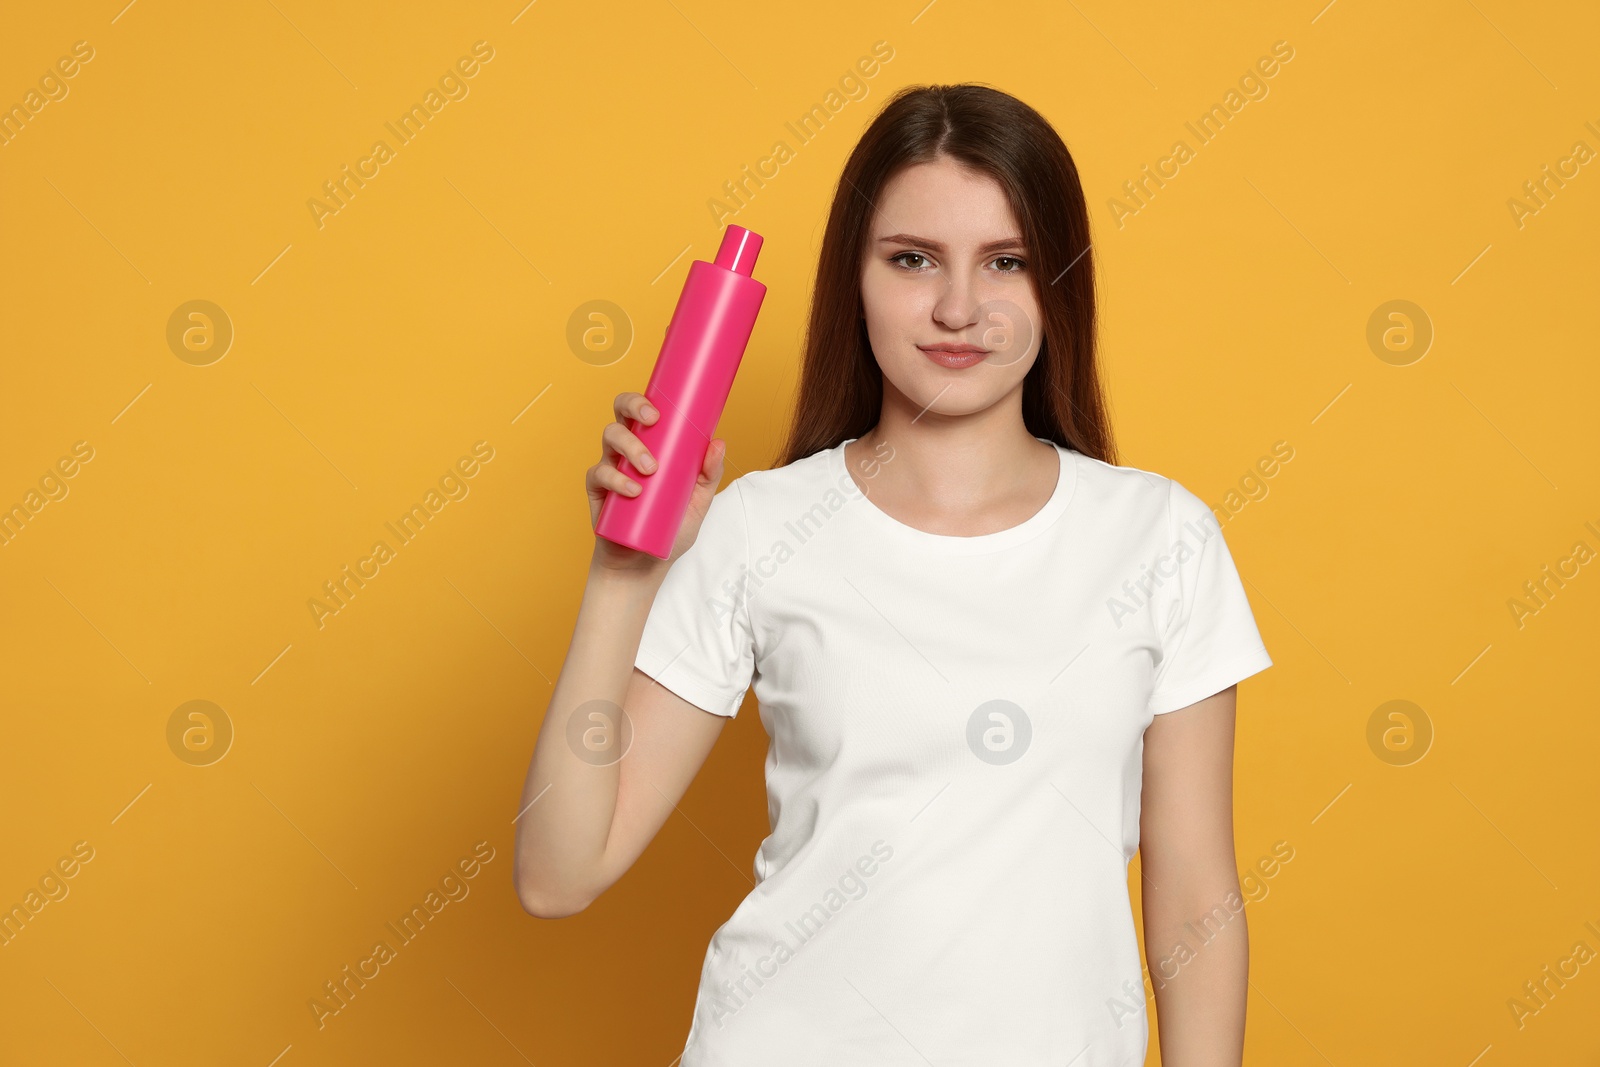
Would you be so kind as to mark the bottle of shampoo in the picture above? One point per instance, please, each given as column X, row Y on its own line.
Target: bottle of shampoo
column 689, row 386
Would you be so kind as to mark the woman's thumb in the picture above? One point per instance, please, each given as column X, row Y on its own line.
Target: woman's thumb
column 711, row 469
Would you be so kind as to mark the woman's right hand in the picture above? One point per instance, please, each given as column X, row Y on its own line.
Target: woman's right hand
column 617, row 439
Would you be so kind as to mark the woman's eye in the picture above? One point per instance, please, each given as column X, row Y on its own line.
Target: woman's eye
column 1017, row 264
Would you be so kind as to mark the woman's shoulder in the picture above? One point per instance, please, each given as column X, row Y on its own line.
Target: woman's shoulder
column 802, row 477
column 1123, row 487
column 1121, row 476
column 803, row 491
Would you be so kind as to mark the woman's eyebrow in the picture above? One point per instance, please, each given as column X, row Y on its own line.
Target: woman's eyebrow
column 913, row 239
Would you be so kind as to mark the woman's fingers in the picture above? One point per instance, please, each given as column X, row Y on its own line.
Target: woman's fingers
column 618, row 439
column 605, row 476
column 630, row 405
column 622, row 441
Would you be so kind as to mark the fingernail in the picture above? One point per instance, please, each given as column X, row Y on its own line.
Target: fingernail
column 633, row 486
column 648, row 463
column 650, row 412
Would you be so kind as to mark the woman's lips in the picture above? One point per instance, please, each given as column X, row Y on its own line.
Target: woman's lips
column 953, row 360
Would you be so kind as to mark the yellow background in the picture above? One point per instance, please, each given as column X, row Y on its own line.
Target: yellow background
column 371, row 754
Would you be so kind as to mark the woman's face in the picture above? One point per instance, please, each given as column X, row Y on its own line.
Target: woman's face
column 945, row 266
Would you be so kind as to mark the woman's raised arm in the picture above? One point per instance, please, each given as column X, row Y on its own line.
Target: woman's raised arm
column 586, row 815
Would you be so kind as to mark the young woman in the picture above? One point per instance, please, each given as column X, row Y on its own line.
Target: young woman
column 991, row 662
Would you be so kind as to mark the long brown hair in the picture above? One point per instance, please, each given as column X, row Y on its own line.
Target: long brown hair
column 841, row 385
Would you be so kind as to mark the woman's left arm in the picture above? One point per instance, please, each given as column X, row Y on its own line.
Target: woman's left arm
column 1196, row 942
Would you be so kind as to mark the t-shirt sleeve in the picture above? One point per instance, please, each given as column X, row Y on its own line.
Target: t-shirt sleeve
column 697, row 638
column 1209, row 640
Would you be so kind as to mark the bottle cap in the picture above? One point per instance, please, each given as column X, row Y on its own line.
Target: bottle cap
column 739, row 250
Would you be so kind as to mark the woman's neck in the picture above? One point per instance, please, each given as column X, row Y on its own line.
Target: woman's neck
column 959, row 474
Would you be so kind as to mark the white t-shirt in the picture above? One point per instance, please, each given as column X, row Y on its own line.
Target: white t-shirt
column 953, row 776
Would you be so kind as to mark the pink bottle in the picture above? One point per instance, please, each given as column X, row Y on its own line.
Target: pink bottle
column 689, row 386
